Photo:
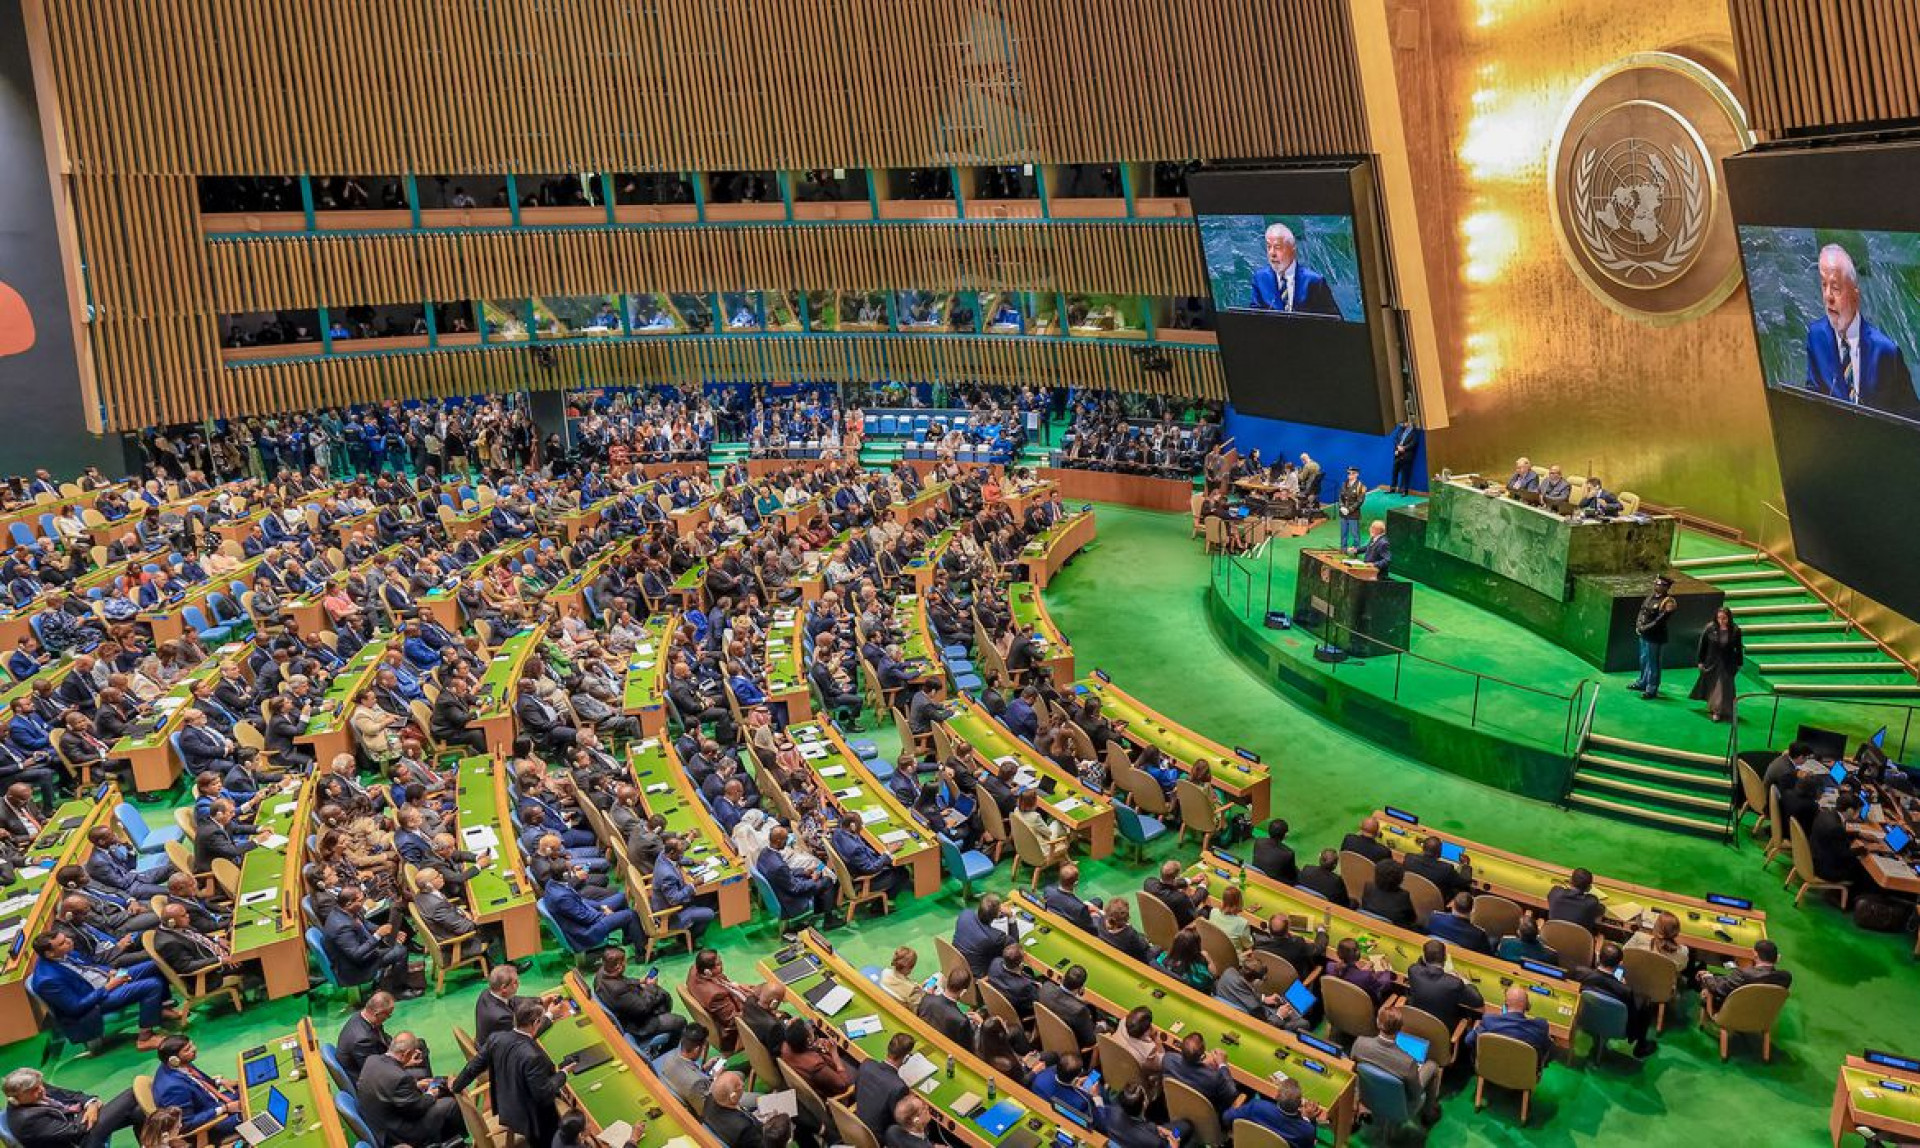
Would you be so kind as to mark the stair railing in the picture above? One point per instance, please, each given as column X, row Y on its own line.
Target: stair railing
column 1580, row 741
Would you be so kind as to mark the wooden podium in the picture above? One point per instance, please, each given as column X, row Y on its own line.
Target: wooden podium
column 1351, row 606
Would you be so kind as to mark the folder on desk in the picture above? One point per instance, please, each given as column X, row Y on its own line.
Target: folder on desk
column 916, row 1069
column 996, row 1120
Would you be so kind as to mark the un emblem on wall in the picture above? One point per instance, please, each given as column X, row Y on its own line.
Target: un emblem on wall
column 1634, row 185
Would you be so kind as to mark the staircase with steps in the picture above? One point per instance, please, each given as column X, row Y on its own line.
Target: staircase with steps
column 1793, row 640
column 1678, row 789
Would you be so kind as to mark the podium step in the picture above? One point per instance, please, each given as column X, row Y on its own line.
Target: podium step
column 1652, row 793
column 1711, row 560
column 1680, row 777
column 1825, row 625
column 1628, row 810
column 1881, row 666
column 1836, row 646
column 1686, row 756
column 1718, row 578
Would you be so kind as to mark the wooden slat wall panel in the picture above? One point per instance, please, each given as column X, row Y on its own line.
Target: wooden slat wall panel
column 302, row 271
column 270, row 387
column 1809, row 64
column 153, row 94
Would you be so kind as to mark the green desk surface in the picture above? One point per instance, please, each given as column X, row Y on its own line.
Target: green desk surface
column 332, row 715
column 613, row 1091
column 1257, row 1051
column 960, row 1074
column 586, row 575
column 915, row 644
column 1264, row 899
column 1023, row 603
column 53, row 847
column 479, row 804
column 1044, row 541
column 503, row 673
column 691, row 578
column 260, row 924
column 1873, row 1097
column 1146, row 726
column 784, row 651
column 170, row 708
column 994, row 741
column 647, row 666
column 1534, row 879
column 304, row 1095
column 665, row 789
column 857, row 793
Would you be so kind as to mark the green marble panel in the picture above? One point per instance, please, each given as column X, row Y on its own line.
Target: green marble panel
column 1541, row 551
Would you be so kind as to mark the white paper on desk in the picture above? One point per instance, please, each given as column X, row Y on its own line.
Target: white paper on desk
column 643, row 650
column 616, row 1135
column 1021, row 927
column 813, row 751
column 20, row 903
column 1067, row 806
column 870, row 816
column 833, row 771
column 285, row 807
column 916, row 1069
column 479, row 837
column 658, row 787
column 785, row 1103
column 680, row 1142
column 270, row 841
column 258, row 895
column 849, row 793
column 1026, row 779
column 894, row 837
column 861, row 1026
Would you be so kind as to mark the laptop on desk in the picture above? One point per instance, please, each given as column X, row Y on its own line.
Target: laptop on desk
column 267, row 1124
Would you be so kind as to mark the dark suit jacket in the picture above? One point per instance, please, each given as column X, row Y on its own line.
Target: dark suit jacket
column 492, row 1016
column 183, row 952
column 1069, row 1008
column 1365, row 846
column 1068, row 905
column 355, row 951
column 1311, row 293
column 1444, row 874
column 525, row 1084
column 359, row 1041
column 442, row 916
column 1734, row 978
column 946, row 1016
column 1563, row 904
column 1396, row 905
column 1885, row 382
column 1216, row 1084
column 1175, row 897
column 1276, row 860
column 731, row 1126
column 212, row 840
column 1434, row 990
column 450, row 715
column 877, row 1087
column 1458, row 930
column 392, row 1103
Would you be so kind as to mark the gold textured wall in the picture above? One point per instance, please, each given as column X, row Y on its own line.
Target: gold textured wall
column 1533, row 362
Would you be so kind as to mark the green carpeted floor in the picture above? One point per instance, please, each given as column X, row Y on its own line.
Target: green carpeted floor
column 1134, row 606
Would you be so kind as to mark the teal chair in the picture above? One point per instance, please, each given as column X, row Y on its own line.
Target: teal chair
column 1603, row 1018
column 1385, row 1096
column 970, row 866
column 1137, row 830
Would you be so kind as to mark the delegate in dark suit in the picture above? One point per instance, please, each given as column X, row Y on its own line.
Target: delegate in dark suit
column 525, row 1084
column 395, row 1108
column 1885, row 383
column 1306, row 293
column 877, row 1087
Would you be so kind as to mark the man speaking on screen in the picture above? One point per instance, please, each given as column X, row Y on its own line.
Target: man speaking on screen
column 1848, row 358
column 1284, row 285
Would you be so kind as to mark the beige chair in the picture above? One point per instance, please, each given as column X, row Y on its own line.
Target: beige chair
column 804, row 1093
column 950, row 962
column 1443, row 1044
column 1156, row 919
column 1506, row 1063
column 997, row 836
column 227, row 876
column 1218, row 541
column 1573, row 942
column 1426, row 896
column 1803, row 869
column 1653, row 978
column 1117, row 1064
column 484, row 1133
column 1215, row 943
column 1198, row 812
column 699, row 1013
column 197, row 988
column 852, row 1133
column 998, row 1005
column 1350, row 1010
column 1753, row 792
column 1029, row 850
column 1629, row 502
column 1056, row 1035
column 855, row 891
column 1194, row 504
column 1496, row 916
column 1748, row 1009
column 1281, row 974
column 448, row 953
column 1184, row 1103
column 1357, row 872
column 766, row 1070
column 657, row 924
column 1247, row 1134
column 1148, row 797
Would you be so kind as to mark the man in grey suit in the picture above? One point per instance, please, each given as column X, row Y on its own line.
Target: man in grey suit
column 442, row 917
column 1421, row 1077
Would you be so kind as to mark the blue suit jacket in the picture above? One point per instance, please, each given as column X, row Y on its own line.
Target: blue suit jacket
column 1885, row 382
column 173, row 1088
column 669, row 885
column 1530, row 1030
column 72, row 999
column 978, row 943
column 1459, row 931
column 1311, row 293
column 574, row 913
column 794, row 892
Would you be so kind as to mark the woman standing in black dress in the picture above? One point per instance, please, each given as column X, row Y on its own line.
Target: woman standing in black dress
column 1720, row 656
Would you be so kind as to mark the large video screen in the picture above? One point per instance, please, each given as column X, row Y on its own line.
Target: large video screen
column 1830, row 238
column 1284, row 266
column 1292, row 263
